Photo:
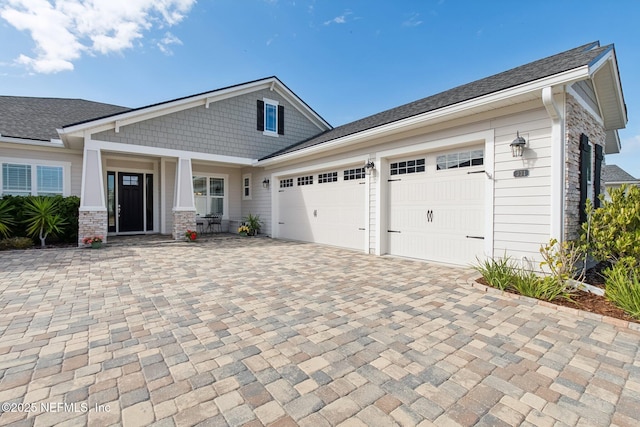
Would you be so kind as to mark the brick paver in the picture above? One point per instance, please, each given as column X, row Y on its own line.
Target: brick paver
column 253, row 332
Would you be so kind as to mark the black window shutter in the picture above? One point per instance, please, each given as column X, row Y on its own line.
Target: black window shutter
column 585, row 151
column 280, row 119
column 598, row 175
column 260, row 111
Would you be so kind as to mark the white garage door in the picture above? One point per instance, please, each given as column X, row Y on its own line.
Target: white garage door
column 326, row 207
column 436, row 207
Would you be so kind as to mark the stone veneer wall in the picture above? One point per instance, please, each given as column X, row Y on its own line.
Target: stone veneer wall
column 92, row 223
column 183, row 221
column 578, row 121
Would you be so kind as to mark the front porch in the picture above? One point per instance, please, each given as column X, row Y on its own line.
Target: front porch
column 131, row 194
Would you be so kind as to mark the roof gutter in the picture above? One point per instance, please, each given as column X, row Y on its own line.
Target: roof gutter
column 557, row 163
column 566, row 77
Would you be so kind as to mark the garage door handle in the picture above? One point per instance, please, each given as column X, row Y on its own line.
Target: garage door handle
column 429, row 216
column 280, row 223
column 393, row 231
column 475, row 237
column 361, row 228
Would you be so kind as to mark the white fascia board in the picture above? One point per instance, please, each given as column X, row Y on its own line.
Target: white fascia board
column 54, row 143
column 610, row 60
column 165, row 152
column 146, row 113
column 564, row 78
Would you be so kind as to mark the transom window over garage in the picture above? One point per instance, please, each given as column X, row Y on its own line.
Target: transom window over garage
column 408, row 166
column 460, row 159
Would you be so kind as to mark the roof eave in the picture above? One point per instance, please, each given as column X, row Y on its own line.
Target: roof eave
column 564, row 78
column 606, row 81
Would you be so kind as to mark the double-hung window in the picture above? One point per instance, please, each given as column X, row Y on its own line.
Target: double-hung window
column 270, row 117
column 210, row 195
column 20, row 178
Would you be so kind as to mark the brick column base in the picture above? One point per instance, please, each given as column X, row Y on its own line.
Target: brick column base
column 92, row 223
column 183, row 221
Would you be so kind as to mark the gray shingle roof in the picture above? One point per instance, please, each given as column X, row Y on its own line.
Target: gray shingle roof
column 38, row 118
column 565, row 61
column 614, row 173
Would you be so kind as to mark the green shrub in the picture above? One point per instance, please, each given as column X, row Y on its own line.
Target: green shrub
column 612, row 231
column 499, row 273
column 547, row 289
column 623, row 286
column 68, row 210
column 15, row 243
column 6, row 218
column 561, row 259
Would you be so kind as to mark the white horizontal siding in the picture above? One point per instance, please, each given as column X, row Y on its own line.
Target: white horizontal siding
column 522, row 205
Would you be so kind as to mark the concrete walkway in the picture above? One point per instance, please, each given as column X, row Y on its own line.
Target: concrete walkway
column 254, row 332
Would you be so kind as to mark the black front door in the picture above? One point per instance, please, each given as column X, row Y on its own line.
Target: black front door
column 130, row 202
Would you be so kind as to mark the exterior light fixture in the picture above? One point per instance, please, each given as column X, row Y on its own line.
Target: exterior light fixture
column 265, row 183
column 517, row 146
column 369, row 166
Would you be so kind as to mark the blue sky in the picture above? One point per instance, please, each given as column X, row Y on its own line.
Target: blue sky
column 346, row 59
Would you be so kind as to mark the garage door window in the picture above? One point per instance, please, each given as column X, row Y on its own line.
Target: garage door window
column 461, row 159
column 409, row 166
column 305, row 180
column 357, row 173
column 328, row 177
column 284, row 183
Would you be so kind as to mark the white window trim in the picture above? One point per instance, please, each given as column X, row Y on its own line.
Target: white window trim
column 244, row 187
column 275, row 103
column 66, row 172
column 225, row 200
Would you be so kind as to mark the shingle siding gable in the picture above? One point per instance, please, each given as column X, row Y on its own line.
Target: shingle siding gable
column 227, row 127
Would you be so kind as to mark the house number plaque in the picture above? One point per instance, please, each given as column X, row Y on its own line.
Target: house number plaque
column 520, row 173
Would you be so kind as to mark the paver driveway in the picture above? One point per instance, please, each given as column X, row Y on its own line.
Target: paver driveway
column 260, row 332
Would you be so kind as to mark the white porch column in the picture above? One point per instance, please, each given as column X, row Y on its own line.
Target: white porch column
column 92, row 219
column 184, row 208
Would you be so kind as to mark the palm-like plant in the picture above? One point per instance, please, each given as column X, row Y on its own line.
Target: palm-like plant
column 43, row 218
column 6, row 218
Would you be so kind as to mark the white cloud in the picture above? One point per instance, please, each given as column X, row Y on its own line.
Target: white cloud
column 413, row 21
column 167, row 41
column 64, row 30
column 341, row 19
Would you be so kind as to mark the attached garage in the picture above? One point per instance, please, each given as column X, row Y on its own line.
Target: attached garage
column 436, row 206
column 326, row 207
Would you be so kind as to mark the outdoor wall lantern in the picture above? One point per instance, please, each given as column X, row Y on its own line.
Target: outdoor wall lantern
column 369, row 166
column 517, row 146
column 265, row 183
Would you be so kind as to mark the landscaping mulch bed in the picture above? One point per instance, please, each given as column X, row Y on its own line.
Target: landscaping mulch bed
column 587, row 301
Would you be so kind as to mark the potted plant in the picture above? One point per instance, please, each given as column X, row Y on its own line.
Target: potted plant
column 254, row 223
column 94, row 241
column 190, row 235
column 243, row 230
